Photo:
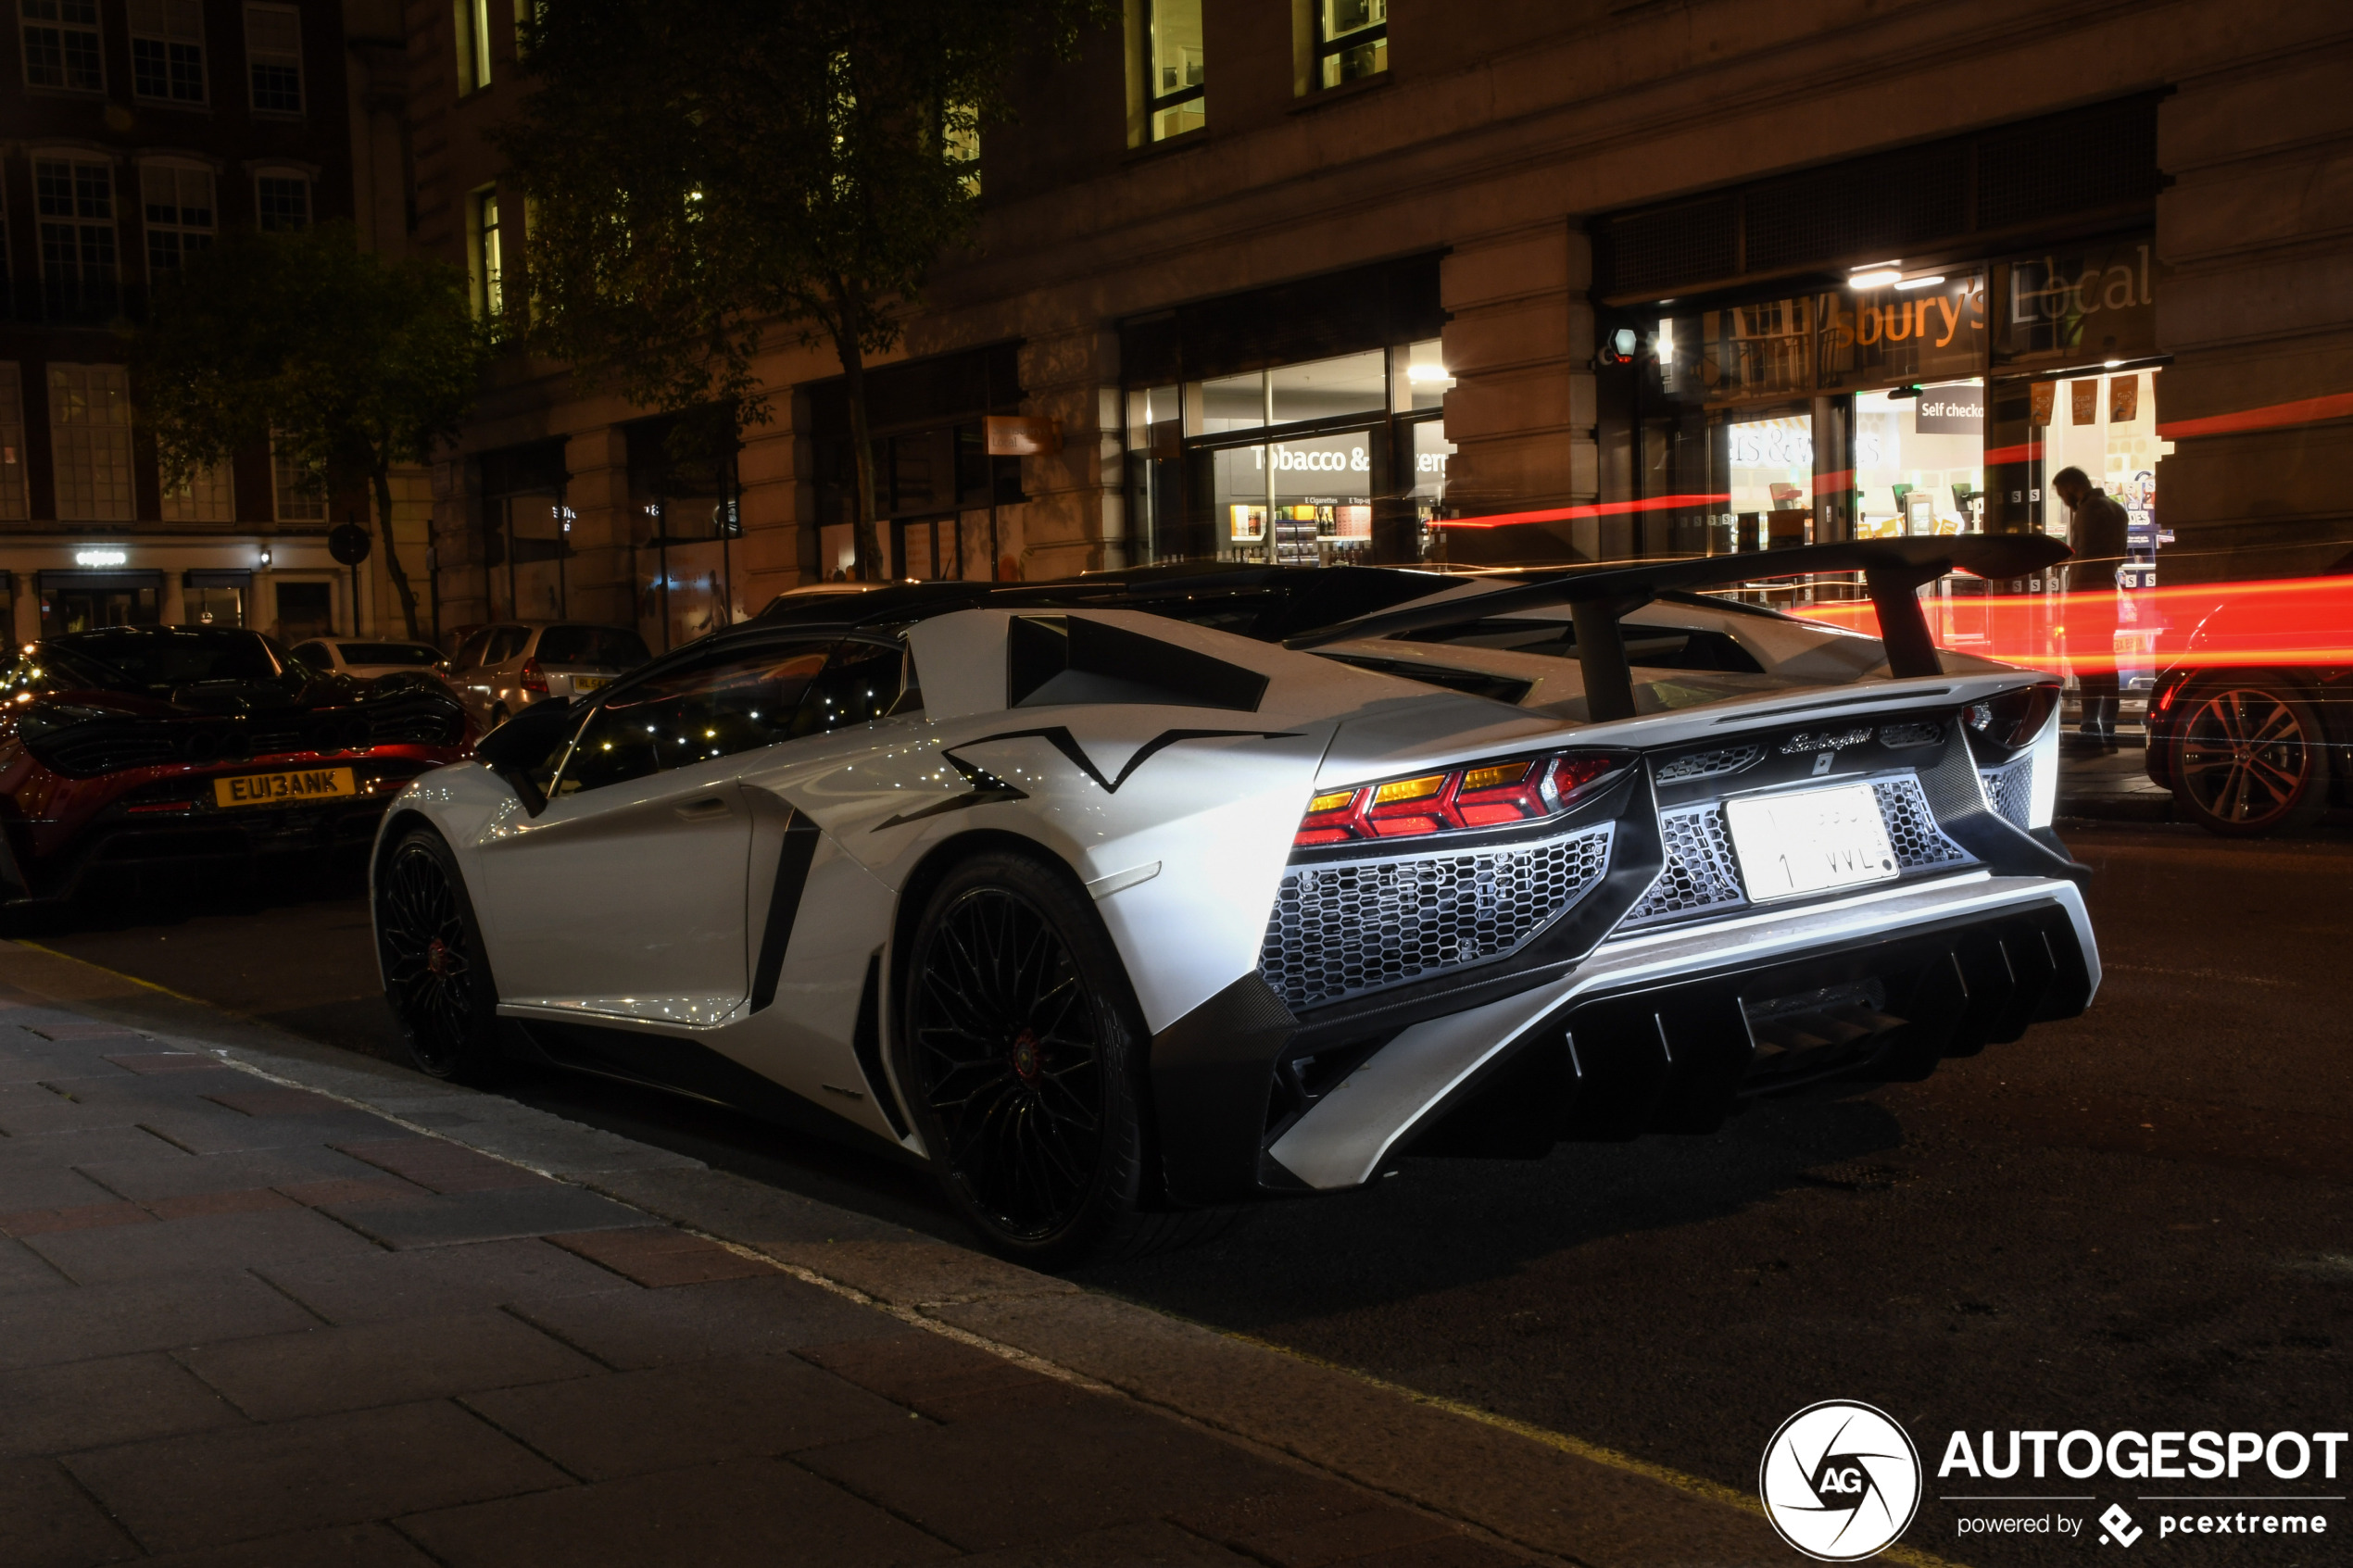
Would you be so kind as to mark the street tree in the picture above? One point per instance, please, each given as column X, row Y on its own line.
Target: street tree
column 701, row 175
column 352, row 365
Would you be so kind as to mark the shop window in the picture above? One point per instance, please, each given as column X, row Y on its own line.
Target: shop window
column 281, row 201
column 61, row 45
column 177, row 202
column 1351, row 40
column 472, row 19
column 90, row 442
column 212, row 605
column 12, row 465
column 1920, row 459
column 74, row 200
column 1324, row 389
column 1426, row 378
column 1924, row 329
column 166, row 50
column 205, row 495
column 1176, row 90
column 273, row 58
column 2105, row 424
column 300, row 493
column 305, row 610
column 487, row 266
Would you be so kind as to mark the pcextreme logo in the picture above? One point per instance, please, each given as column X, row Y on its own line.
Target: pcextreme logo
column 1841, row 1481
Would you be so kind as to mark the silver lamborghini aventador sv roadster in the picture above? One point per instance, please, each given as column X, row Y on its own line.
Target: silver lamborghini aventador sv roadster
column 1122, row 901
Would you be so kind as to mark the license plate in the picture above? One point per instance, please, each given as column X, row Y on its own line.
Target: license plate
column 1810, row 841
column 283, row 789
column 589, row 682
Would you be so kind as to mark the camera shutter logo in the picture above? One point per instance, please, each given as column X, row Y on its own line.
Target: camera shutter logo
column 1841, row 1481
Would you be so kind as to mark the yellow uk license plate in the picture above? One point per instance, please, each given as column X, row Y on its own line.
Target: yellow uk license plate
column 589, row 682
column 283, row 789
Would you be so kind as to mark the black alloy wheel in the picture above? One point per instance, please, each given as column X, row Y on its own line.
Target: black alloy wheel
column 436, row 975
column 1018, row 1046
column 2251, row 760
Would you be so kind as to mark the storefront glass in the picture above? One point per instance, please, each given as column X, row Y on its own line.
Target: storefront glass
column 212, row 607
column 1920, row 461
column 1769, row 466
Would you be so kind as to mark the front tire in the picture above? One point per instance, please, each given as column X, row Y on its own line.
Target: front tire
column 2250, row 759
column 436, row 974
column 1020, row 1046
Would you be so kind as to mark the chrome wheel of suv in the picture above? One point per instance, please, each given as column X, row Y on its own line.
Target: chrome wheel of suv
column 2251, row 760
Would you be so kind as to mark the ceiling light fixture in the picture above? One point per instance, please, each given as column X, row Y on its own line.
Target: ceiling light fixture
column 1872, row 278
column 1920, row 283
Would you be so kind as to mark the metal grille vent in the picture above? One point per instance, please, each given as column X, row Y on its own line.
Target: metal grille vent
column 2011, row 789
column 1659, row 250
column 2095, row 158
column 1710, row 764
column 1910, row 734
column 1340, row 930
column 1918, row 193
column 1911, row 826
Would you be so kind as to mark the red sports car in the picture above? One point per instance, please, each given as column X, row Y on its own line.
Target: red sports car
column 135, row 745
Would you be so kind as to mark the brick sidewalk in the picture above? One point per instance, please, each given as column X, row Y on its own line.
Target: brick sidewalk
column 242, row 1323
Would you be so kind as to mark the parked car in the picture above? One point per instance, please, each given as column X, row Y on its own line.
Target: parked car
column 1119, row 900
column 365, row 658
column 502, row 669
column 2251, row 725
column 136, row 745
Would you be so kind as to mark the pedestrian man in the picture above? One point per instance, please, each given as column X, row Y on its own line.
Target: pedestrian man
column 2097, row 532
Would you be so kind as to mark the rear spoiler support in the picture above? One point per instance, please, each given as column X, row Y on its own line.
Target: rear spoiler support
column 1894, row 572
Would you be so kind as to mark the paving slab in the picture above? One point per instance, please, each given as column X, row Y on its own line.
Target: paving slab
column 361, row 1545
column 494, row 1214
column 377, row 1286
column 1149, row 1545
column 655, row 1256
column 50, row 1328
column 180, row 1493
column 281, row 1377
column 636, row 1328
column 58, row 1410
column 109, row 1254
column 48, row 1521
column 752, row 1513
column 23, row 1268
column 170, row 1174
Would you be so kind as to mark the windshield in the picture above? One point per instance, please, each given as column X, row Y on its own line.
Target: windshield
column 590, row 644
column 413, row 655
column 160, row 660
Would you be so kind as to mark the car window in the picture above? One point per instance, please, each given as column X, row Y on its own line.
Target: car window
column 469, row 652
column 315, row 655
column 505, row 644
column 734, row 702
column 415, row 655
column 859, row 684
column 608, row 645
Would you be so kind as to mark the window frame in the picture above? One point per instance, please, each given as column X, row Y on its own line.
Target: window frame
column 137, row 34
column 485, row 260
column 150, row 227
column 124, row 481
column 287, row 174
column 75, row 160
column 284, row 489
column 469, row 25
column 256, row 59
column 95, row 29
column 1157, row 103
column 1329, row 49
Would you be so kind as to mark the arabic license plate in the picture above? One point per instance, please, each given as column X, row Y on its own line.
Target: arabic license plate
column 283, row 789
column 1811, row 841
column 590, row 683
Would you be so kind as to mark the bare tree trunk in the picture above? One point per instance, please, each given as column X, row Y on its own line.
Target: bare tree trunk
column 380, row 477
column 847, row 331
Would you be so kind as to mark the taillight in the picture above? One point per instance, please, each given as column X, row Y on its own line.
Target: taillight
column 2164, row 698
column 1484, row 794
column 534, row 677
column 2013, row 718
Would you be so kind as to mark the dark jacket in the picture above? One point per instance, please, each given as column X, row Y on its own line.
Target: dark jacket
column 2098, row 536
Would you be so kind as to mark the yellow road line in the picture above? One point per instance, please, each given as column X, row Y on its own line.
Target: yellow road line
column 1694, row 1486
column 119, row 974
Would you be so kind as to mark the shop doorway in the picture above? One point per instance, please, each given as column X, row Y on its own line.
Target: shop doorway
column 83, row 601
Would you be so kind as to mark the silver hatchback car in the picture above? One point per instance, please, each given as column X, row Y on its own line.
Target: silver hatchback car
column 502, row 669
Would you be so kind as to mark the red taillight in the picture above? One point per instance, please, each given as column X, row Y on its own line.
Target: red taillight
column 534, row 677
column 1518, row 789
column 2164, row 698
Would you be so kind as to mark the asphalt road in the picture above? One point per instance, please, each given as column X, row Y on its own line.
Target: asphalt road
column 2136, row 1220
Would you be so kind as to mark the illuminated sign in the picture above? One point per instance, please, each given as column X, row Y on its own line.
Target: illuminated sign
column 100, row 558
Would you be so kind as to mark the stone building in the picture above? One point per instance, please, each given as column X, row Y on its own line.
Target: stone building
column 1514, row 280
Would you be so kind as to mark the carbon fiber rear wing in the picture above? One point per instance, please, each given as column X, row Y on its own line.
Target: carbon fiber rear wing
column 1894, row 572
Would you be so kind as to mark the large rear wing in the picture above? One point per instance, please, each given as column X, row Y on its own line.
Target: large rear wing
column 1893, row 571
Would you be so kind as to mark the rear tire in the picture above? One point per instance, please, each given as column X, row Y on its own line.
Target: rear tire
column 1020, row 1046
column 2248, row 758
column 436, row 972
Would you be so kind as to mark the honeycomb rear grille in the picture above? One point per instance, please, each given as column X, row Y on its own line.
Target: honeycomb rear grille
column 2011, row 789
column 1709, row 764
column 1702, row 874
column 1343, row 929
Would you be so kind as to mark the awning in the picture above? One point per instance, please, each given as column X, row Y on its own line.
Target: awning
column 99, row 582
column 210, row 578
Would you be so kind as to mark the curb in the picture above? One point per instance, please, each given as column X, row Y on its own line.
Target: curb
column 1536, row 1490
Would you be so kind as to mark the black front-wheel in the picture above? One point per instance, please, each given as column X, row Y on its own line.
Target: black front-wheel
column 2250, row 759
column 436, row 976
column 1020, row 1046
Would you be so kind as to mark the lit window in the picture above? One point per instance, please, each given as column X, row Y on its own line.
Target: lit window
column 274, row 57
column 61, row 44
column 74, row 201
column 281, row 201
column 1174, row 94
column 487, row 297
column 166, row 50
column 472, row 19
column 1351, row 40
column 205, row 495
column 301, row 492
column 176, row 202
column 90, row 442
